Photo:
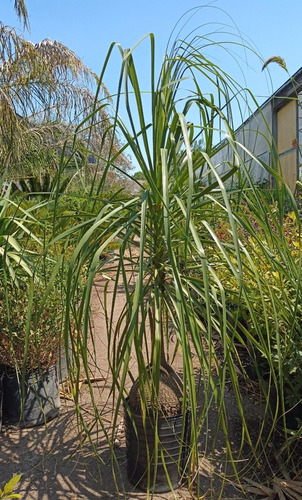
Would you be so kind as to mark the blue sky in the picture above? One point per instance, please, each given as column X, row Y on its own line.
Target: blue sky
column 89, row 26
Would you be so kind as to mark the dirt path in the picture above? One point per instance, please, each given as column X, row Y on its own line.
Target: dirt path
column 57, row 462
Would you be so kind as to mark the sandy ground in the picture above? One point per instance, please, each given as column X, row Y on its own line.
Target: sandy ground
column 58, row 461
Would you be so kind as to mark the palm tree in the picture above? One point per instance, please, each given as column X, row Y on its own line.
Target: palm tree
column 43, row 86
column 176, row 287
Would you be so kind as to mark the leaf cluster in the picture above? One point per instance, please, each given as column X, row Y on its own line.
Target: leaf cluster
column 7, row 491
column 271, row 259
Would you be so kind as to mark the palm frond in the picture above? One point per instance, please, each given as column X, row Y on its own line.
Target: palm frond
column 21, row 10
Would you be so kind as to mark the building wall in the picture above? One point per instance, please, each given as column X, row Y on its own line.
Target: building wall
column 256, row 137
column 286, row 134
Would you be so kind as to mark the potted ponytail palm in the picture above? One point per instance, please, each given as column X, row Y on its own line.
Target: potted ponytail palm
column 175, row 292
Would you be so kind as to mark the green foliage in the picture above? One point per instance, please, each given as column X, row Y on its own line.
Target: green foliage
column 187, row 273
column 45, row 91
column 15, row 226
column 271, row 259
column 7, row 491
column 32, row 297
column 208, row 262
column 31, row 323
column 42, row 185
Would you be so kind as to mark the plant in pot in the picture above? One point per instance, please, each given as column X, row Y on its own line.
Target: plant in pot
column 30, row 339
column 175, row 303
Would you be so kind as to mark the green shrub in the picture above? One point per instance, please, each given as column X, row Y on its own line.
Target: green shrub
column 271, row 258
column 31, row 323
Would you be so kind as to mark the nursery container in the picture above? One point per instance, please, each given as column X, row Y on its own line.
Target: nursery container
column 1, row 396
column 172, row 451
column 41, row 397
column 62, row 363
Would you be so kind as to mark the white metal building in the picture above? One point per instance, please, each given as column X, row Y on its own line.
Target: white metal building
column 273, row 134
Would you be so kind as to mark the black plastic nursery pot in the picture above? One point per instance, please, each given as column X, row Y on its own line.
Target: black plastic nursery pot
column 63, row 364
column 37, row 402
column 1, row 396
column 172, row 452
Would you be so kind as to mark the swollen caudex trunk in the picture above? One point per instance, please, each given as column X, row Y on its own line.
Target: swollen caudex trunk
column 170, row 394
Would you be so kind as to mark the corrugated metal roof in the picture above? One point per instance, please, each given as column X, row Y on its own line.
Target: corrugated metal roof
column 289, row 89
